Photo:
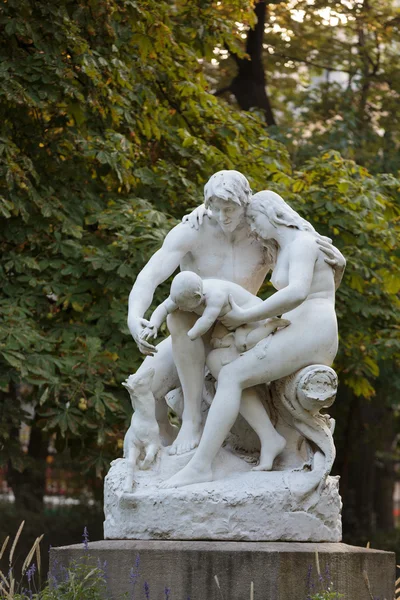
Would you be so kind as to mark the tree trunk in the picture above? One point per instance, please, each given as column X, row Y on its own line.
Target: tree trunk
column 29, row 486
column 249, row 85
column 364, row 463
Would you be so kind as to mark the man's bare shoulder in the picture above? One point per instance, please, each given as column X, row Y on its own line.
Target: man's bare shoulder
column 181, row 236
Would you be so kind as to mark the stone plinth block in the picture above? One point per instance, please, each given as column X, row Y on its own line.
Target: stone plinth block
column 240, row 504
column 278, row 570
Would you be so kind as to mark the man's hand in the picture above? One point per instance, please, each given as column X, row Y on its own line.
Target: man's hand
column 137, row 327
column 196, row 217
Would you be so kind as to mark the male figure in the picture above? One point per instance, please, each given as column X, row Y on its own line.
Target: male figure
column 221, row 248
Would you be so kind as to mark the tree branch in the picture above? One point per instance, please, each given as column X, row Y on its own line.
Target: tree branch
column 227, row 88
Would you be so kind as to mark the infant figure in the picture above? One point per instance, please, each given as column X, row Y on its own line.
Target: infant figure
column 211, row 300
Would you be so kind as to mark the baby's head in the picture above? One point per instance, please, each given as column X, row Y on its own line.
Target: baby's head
column 187, row 290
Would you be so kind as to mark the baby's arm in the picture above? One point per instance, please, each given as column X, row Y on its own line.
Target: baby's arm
column 158, row 317
column 214, row 304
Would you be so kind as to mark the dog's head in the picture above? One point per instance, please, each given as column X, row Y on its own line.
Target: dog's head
column 139, row 383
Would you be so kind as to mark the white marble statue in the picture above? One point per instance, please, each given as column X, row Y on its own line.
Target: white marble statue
column 247, row 377
column 220, row 247
column 210, row 299
column 305, row 297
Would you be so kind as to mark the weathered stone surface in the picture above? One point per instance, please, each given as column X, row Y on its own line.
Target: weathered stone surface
column 278, row 570
column 240, row 504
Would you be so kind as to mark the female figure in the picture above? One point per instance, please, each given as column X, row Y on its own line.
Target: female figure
column 305, row 297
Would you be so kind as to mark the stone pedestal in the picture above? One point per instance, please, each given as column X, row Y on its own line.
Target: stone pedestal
column 278, row 570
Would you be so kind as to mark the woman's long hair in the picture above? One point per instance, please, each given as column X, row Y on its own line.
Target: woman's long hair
column 278, row 213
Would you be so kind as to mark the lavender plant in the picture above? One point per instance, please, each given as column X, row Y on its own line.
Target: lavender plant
column 320, row 586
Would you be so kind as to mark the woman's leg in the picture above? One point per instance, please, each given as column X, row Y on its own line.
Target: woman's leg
column 262, row 363
column 272, row 444
column 253, row 410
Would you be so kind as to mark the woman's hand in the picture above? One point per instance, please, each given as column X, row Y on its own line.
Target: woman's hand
column 196, row 217
column 235, row 317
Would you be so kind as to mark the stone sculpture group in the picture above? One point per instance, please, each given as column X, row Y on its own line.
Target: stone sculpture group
column 247, row 378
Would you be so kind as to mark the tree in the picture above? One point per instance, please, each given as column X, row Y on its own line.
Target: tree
column 249, row 84
column 333, row 78
column 109, row 132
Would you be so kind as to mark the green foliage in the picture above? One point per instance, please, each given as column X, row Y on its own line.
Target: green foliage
column 108, row 133
column 81, row 579
column 361, row 214
column 333, row 78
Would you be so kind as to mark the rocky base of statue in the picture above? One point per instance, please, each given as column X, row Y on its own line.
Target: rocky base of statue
column 240, row 504
column 296, row 501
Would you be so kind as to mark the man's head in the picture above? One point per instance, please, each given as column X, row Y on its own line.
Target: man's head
column 227, row 194
column 187, row 290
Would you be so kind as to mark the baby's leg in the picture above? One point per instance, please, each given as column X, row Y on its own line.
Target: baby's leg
column 272, row 444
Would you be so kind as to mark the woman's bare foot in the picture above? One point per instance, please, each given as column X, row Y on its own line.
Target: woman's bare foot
column 187, row 476
column 269, row 451
column 187, row 439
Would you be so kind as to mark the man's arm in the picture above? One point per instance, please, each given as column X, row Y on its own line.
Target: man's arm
column 160, row 266
column 208, row 318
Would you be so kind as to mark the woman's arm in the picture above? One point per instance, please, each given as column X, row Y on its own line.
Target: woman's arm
column 302, row 259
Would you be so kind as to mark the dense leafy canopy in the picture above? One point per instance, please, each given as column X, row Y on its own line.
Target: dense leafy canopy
column 108, row 133
column 333, row 78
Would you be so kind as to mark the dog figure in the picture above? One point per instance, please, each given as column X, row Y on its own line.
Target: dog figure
column 143, row 436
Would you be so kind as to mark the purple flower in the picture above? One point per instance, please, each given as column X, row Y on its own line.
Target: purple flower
column 134, row 575
column 85, row 537
column 30, row 573
column 103, row 568
column 167, row 592
column 309, row 582
column 146, row 590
